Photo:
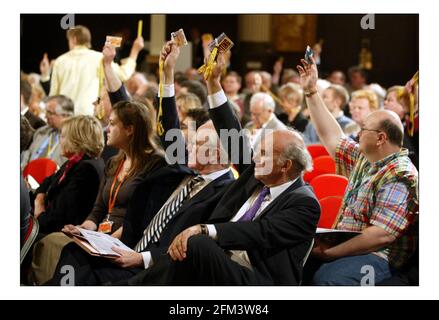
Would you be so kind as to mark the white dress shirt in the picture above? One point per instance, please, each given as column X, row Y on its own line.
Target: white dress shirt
column 208, row 178
column 274, row 193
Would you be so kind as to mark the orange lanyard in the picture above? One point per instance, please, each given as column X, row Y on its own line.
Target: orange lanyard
column 113, row 196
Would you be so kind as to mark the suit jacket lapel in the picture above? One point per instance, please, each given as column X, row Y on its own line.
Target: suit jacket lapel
column 207, row 192
column 284, row 194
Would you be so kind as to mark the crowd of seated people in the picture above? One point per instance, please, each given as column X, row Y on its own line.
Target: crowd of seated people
column 197, row 209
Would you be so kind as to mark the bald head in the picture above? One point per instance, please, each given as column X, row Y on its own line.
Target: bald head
column 284, row 138
column 289, row 145
column 390, row 123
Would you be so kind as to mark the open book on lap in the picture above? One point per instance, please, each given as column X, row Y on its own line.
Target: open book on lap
column 99, row 244
column 333, row 236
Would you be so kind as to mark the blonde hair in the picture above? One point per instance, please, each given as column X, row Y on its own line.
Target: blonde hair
column 291, row 91
column 402, row 96
column 82, row 35
column 369, row 95
column 83, row 134
column 188, row 101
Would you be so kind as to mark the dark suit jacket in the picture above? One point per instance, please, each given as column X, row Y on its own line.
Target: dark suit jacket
column 194, row 211
column 35, row 122
column 279, row 238
column 70, row 201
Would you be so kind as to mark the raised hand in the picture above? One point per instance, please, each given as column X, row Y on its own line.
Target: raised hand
column 109, row 53
column 138, row 46
column 218, row 67
column 45, row 66
column 169, row 55
column 308, row 75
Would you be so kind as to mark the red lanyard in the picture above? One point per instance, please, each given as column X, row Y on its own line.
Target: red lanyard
column 113, row 196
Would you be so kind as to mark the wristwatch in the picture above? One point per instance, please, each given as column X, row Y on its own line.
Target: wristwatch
column 310, row 93
column 204, row 229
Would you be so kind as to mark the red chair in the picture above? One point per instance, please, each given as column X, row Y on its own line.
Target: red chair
column 322, row 165
column 317, row 150
column 330, row 208
column 40, row 169
column 327, row 185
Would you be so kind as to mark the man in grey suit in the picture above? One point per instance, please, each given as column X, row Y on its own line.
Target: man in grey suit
column 263, row 118
column 46, row 140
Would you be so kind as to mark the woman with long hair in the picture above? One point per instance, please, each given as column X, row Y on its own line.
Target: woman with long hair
column 131, row 131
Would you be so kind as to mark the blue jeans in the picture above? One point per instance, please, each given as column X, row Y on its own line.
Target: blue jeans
column 353, row 271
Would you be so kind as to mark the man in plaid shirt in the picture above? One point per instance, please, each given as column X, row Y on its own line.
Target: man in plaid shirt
column 381, row 200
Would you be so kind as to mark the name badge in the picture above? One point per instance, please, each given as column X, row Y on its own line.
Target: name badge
column 105, row 227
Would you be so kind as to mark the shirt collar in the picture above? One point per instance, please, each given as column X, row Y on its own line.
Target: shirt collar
column 339, row 114
column 79, row 47
column 214, row 175
column 277, row 191
column 386, row 160
column 271, row 118
column 23, row 112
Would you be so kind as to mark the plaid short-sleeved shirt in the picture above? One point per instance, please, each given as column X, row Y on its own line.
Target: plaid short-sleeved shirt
column 383, row 194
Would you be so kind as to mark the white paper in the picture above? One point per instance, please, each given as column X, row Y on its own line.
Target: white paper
column 32, row 182
column 324, row 230
column 103, row 242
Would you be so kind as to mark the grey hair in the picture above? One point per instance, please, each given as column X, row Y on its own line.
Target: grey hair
column 298, row 154
column 268, row 102
column 64, row 105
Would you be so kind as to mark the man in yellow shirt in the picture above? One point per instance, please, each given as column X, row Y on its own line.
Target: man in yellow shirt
column 76, row 72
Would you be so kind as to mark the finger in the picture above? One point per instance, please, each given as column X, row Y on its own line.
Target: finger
column 172, row 253
column 118, row 250
column 184, row 246
column 178, row 246
column 305, row 64
column 301, row 70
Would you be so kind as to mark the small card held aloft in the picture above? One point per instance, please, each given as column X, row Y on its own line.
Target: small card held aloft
column 179, row 38
column 114, row 41
column 223, row 43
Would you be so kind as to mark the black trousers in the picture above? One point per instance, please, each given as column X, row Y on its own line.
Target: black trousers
column 87, row 269
column 205, row 264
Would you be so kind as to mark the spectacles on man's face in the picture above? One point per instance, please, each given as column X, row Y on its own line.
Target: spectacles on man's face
column 365, row 129
column 53, row 113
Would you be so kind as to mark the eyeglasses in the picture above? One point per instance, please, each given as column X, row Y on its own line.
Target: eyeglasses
column 364, row 129
column 53, row 113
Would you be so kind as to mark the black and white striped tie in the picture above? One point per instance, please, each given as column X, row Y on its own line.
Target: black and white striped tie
column 158, row 223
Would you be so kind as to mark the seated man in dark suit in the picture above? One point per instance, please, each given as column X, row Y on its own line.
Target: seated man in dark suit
column 165, row 203
column 264, row 224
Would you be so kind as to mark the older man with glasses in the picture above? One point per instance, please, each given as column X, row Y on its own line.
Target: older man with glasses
column 381, row 200
column 46, row 140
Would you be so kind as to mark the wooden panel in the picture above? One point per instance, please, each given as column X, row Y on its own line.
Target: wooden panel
column 293, row 32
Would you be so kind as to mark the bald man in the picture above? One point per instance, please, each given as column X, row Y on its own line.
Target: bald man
column 262, row 228
column 381, row 200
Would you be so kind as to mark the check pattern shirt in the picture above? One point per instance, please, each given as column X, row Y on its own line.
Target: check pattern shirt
column 383, row 194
